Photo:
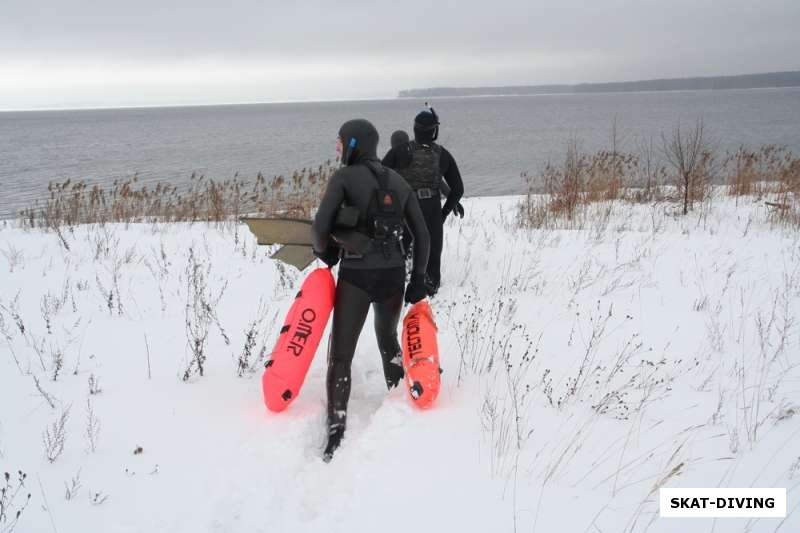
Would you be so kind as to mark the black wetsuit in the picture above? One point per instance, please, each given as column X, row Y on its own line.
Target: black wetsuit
column 375, row 279
column 399, row 158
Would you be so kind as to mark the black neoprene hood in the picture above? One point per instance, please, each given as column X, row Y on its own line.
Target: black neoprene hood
column 426, row 126
column 359, row 141
column 426, row 119
column 399, row 137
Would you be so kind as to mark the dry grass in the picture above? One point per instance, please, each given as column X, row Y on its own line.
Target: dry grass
column 562, row 195
column 72, row 203
column 787, row 212
column 583, row 179
column 772, row 173
column 748, row 171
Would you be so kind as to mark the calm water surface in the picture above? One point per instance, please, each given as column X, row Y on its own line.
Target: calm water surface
column 494, row 139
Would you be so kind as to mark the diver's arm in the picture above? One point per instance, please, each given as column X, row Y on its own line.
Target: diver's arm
column 390, row 159
column 453, row 178
column 422, row 239
column 322, row 225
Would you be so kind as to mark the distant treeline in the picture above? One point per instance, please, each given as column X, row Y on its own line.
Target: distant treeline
column 746, row 81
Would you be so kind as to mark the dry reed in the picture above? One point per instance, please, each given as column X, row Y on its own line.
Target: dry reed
column 70, row 203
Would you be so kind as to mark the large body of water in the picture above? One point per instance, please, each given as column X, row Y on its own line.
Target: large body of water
column 494, row 139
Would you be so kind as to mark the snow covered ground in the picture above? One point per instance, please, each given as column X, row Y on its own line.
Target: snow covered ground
column 583, row 370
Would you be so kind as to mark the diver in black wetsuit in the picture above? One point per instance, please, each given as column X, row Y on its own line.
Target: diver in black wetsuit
column 428, row 166
column 403, row 154
column 376, row 276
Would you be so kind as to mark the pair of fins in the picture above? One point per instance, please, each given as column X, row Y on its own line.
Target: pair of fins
column 295, row 236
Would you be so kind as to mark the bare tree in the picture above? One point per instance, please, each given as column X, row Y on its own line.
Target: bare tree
column 688, row 152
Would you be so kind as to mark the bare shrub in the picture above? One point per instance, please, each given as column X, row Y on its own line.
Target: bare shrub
column 49, row 306
column 71, row 489
column 94, row 385
column 92, row 427
column 14, row 257
column 98, row 498
column 496, row 423
column 564, row 183
column 110, row 291
column 252, row 354
column 794, row 469
column 201, row 312
column 286, row 280
column 43, row 393
column 13, row 310
column 483, row 344
column 57, row 356
column 651, row 175
column 7, row 333
column 11, row 508
column 55, row 437
column 159, row 268
column 759, row 380
column 573, row 385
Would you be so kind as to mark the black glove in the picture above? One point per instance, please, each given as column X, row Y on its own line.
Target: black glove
column 416, row 291
column 330, row 256
column 458, row 210
column 431, row 286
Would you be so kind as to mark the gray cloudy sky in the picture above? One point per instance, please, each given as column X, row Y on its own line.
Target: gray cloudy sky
column 82, row 53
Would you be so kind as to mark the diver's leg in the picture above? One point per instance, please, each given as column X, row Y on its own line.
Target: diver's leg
column 432, row 211
column 350, row 311
column 387, row 316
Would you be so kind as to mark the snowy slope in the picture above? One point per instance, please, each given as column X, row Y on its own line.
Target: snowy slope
column 584, row 369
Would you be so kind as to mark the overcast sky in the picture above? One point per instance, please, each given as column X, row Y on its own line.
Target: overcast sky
column 82, row 53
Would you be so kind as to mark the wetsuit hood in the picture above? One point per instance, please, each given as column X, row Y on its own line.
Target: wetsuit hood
column 426, row 126
column 398, row 138
column 359, row 141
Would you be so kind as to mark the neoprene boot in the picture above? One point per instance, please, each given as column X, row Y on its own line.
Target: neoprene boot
column 335, row 434
column 338, row 385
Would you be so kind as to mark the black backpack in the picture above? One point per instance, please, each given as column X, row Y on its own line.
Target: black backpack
column 385, row 223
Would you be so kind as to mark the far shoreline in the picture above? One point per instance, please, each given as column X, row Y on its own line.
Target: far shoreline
column 385, row 99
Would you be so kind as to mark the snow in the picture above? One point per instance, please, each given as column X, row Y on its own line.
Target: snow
column 583, row 369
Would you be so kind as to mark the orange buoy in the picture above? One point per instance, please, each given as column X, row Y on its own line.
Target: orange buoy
column 298, row 340
column 421, row 355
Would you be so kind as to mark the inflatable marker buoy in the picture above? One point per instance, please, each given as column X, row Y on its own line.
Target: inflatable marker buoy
column 298, row 340
column 421, row 355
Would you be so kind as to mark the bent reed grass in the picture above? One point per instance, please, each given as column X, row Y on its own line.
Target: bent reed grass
column 71, row 203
